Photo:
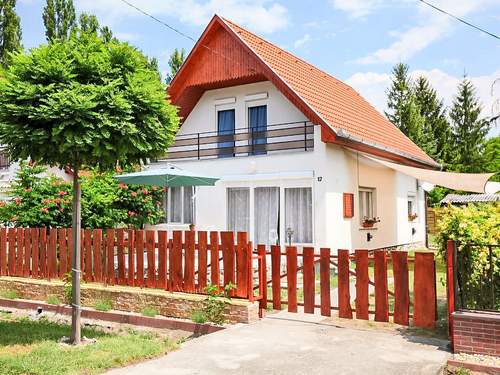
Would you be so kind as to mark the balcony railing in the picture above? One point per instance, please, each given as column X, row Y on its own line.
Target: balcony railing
column 244, row 142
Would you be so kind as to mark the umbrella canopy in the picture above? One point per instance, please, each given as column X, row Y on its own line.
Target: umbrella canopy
column 169, row 176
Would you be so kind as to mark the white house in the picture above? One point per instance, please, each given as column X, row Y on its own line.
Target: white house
column 297, row 150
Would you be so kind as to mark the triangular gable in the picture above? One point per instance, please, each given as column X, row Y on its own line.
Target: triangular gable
column 228, row 55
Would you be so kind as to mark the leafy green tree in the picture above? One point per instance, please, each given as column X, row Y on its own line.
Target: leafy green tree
column 468, row 129
column 10, row 30
column 175, row 62
column 436, row 129
column 84, row 102
column 59, row 18
column 491, row 157
column 88, row 23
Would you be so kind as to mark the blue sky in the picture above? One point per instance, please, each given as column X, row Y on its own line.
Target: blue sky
column 357, row 41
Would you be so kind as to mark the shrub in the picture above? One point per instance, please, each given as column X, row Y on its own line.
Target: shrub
column 53, row 300
column 103, row 305
column 213, row 306
column 149, row 311
column 8, row 293
column 198, row 316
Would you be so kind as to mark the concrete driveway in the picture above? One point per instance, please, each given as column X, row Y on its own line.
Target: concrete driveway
column 298, row 344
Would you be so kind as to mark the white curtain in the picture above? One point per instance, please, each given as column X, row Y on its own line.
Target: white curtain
column 238, row 209
column 298, row 214
column 266, row 212
column 188, row 207
column 175, row 204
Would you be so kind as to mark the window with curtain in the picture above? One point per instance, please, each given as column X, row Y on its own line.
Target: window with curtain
column 412, row 207
column 367, row 203
column 266, row 215
column 238, row 209
column 179, row 204
column 225, row 127
column 298, row 214
column 257, row 122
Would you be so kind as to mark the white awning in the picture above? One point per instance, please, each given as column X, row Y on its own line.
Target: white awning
column 471, row 182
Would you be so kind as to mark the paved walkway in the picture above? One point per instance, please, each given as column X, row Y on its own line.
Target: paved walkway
column 283, row 344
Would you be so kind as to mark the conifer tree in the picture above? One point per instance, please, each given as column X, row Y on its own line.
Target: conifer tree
column 59, row 18
column 10, row 30
column 175, row 62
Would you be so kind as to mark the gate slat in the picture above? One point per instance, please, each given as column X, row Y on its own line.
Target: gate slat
column 87, row 276
column 308, row 279
column 401, row 287
column 261, row 249
column 189, row 253
column 131, row 257
column 227, row 244
column 97, row 252
column 381, row 294
column 291, row 277
column 52, row 253
column 362, row 284
column 3, row 251
column 150, row 254
column 242, row 265
column 324, row 275
column 176, row 262
column 12, row 235
column 27, row 252
column 20, row 252
column 34, row 251
column 345, row 310
column 214, row 259
column 110, row 256
column 202, row 261
column 63, row 255
column 275, row 276
column 43, row 253
column 424, row 291
column 121, row 256
column 139, row 257
column 162, row 259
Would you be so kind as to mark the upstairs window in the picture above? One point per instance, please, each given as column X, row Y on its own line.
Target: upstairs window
column 225, row 131
column 257, row 123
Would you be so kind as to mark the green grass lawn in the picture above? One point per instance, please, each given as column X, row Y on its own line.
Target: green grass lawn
column 31, row 347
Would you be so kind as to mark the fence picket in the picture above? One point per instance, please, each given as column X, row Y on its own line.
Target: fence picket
column 214, row 259
column 227, row 245
column 131, row 257
column 189, row 240
column 120, row 234
column 401, row 287
column 324, row 276
column 362, row 281
column 261, row 250
column 275, row 276
column 69, row 264
column 27, row 253
column 110, row 256
column 20, row 251
column 202, row 261
column 139, row 257
column 43, row 253
column 424, row 291
column 381, row 292
column 176, row 262
column 162, row 259
column 12, row 237
column 87, row 258
column 345, row 310
column 150, row 254
column 3, row 251
column 52, row 253
column 63, row 255
column 97, row 254
column 308, row 279
column 291, row 277
column 242, row 265
column 34, row 251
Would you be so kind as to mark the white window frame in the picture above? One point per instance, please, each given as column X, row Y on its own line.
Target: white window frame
column 361, row 205
column 168, row 199
column 413, row 199
column 284, row 238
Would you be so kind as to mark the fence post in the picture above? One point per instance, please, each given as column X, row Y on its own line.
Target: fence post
column 261, row 249
column 424, row 291
column 450, row 285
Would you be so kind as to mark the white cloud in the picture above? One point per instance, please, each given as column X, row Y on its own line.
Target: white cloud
column 356, row 8
column 260, row 15
column 431, row 26
column 373, row 87
column 130, row 37
column 301, row 41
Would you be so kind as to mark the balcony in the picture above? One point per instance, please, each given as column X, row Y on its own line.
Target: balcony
column 296, row 136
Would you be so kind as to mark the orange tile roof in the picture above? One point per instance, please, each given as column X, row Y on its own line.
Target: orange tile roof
column 337, row 103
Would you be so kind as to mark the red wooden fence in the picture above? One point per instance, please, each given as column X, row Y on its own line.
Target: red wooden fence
column 133, row 257
column 354, row 270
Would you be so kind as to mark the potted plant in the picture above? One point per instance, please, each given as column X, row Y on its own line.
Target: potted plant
column 412, row 217
column 368, row 222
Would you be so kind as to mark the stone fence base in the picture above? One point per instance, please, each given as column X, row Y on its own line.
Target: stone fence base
column 132, row 299
column 476, row 332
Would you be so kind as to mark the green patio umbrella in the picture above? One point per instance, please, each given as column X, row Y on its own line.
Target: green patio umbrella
column 168, row 176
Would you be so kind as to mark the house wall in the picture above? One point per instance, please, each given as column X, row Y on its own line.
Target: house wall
column 329, row 169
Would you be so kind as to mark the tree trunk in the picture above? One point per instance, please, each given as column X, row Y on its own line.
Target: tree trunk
column 75, row 271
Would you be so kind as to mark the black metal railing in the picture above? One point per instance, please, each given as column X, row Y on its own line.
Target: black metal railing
column 243, row 142
column 4, row 159
column 477, row 277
